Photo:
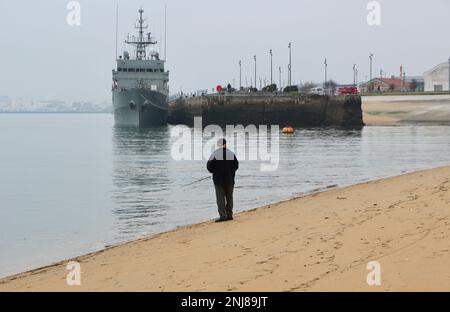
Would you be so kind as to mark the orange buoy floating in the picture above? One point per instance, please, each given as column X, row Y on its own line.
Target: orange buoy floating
column 288, row 130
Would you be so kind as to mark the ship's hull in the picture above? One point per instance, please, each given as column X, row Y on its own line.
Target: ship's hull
column 139, row 108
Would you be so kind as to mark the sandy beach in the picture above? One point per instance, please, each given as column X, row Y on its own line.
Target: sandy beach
column 320, row 242
column 392, row 110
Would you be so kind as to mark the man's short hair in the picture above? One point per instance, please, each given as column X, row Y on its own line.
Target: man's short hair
column 221, row 142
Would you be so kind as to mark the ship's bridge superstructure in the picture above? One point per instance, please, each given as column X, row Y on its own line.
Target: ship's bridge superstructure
column 141, row 71
column 148, row 74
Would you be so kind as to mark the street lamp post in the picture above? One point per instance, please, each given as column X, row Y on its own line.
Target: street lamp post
column 449, row 74
column 290, row 64
column 240, row 74
column 271, row 67
column 254, row 57
column 354, row 74
column 371, row 59
column 381, row 79
column 404, row 81
column 279, row 69
column 326, row 72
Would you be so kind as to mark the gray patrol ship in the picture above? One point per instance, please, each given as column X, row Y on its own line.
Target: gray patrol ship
column 140, row 83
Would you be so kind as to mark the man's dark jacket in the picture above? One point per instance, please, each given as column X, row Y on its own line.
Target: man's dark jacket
column 223, row 165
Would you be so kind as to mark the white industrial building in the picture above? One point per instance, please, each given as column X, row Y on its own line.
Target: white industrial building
column 438, row 78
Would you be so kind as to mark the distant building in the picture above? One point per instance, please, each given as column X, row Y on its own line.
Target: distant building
column 393, row 84
column 83, row 106
column 437, row 79
column 5, row 103
column 53, row 105
column 416, row 83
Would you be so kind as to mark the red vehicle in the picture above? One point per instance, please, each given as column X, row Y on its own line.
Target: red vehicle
column 347, row 90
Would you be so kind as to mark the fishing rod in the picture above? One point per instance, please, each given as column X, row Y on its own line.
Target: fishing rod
column 208, row 177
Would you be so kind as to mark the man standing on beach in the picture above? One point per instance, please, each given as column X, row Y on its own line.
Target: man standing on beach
column 223, row 165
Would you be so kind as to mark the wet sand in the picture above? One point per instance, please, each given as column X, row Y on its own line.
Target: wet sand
column 392, row 110
column 318, row 242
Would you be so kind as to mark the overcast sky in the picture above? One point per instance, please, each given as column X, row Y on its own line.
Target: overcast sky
column 42, row 57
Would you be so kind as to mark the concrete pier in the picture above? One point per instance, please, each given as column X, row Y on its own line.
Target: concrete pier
column 305, row 110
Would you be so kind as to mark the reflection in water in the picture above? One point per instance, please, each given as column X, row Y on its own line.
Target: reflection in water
column 122, row 183
column 140, row 179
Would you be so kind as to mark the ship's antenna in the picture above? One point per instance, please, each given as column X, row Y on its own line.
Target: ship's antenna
column 117, row 27
column 140, row 42
column 165, row 32
column 140, row 51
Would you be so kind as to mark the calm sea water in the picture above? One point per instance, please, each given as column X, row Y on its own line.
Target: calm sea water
column 71, row 184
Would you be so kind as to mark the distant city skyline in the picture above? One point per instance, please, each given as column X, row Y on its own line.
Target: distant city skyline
column 20, row 104
column 42, row 57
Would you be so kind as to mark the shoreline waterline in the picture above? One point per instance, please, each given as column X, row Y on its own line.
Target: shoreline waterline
column 176, row 231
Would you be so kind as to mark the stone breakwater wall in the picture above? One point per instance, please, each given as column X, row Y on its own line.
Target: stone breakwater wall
column 304, row 110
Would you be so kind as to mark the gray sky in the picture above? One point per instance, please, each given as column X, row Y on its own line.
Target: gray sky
column 42, row 57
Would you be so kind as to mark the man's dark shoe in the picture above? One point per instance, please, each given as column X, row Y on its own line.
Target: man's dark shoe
column 230, row 218
column 221, row 220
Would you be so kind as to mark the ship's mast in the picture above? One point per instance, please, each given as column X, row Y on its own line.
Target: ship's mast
column 141, row 42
